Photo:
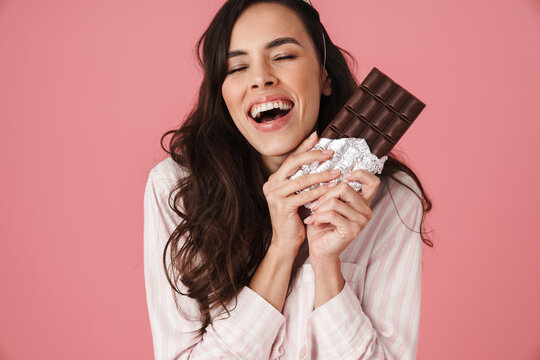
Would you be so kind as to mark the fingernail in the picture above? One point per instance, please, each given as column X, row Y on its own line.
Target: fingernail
column 335, row 172
column 348, row 175
column 332, row 184
column 307, row 220
column 313, row 134
column 327, row 152
column 314, row 205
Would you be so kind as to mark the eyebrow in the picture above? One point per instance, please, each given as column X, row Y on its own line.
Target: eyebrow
column 272, row 44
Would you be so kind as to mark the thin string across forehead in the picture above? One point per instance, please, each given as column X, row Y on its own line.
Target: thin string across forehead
column 323, row 40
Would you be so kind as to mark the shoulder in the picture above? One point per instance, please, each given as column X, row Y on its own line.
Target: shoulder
column 397, row 215
column 402, row 187
column 164, row 175
column 407, row 186
column 159, row 213
column 397, row 197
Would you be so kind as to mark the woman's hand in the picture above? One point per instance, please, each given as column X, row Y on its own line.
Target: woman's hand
column 339, row 216
column 283, row 202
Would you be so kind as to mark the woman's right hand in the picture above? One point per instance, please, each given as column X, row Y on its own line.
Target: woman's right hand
column 288, row 231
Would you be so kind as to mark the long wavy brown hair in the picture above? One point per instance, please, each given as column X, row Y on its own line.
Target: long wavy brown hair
column 226, row 229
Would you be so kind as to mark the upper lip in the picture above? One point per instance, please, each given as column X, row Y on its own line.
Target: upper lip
column 267, row 98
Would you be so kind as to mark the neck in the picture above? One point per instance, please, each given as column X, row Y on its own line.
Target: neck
column 272, row 163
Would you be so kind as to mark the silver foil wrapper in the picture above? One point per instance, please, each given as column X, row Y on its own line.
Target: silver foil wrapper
column 349, row 154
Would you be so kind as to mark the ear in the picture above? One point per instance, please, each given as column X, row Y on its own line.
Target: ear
column 326, row 84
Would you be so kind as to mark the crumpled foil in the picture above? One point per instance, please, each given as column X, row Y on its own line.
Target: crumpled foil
column 349, row 154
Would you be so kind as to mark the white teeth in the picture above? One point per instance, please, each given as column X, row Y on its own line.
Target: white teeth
column 257, row 110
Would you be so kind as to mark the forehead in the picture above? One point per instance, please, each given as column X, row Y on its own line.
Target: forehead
column 263, row 22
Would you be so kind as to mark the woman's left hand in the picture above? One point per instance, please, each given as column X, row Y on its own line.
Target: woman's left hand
column 339, row 215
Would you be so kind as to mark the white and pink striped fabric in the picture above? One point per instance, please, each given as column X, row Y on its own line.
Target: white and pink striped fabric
column 376, row 316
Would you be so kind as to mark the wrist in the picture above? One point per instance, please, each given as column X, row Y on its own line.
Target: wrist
column 281, row 254
column 272, row 276
column 326, row 263
column 328, row 271
column 329, row 280
column 284, row 249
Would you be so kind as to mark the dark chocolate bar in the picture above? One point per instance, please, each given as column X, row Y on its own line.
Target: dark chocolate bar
column 379, row 111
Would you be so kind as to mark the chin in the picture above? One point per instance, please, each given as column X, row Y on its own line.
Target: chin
column 279, row 148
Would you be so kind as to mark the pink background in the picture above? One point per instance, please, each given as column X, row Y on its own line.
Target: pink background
column 88, row 87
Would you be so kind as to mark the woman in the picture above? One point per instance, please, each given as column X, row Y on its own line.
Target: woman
column 221, row 223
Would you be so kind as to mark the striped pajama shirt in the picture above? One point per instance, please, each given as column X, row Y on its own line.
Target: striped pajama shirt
column 376, row 315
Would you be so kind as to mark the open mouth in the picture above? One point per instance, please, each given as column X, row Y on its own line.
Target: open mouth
column 271, row 111
column 271, row 115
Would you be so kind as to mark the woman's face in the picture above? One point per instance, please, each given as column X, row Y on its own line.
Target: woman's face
column 272, row 61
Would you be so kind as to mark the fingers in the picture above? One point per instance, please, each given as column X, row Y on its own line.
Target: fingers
column 344, row 199
column 303, row 182
column 294, row 162
column 302, row 156
column 356, row 213
column 345, row 228
column 306, row 144
column 287, row 190
column 370, row 182
column 309, row 196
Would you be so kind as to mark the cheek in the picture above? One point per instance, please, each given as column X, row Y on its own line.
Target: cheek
column 308, row 84
column 312, row 94
column 226, row 93
column 231, row 97
column 233, row 106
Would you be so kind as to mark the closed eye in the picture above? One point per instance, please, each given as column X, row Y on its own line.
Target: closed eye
column 285, row 57
column 237, row 69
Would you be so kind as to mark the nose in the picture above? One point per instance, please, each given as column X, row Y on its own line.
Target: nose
column 262, row 76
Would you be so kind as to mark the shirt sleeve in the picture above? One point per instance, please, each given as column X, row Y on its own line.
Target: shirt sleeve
column 385, row 324
column 249, row 331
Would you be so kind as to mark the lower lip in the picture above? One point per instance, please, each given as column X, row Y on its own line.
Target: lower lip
column 273, row 125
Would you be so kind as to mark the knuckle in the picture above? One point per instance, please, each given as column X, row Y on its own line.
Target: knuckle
column 334, row 202
column 332, row 215
column 270, row 194
column 266, row 188
column 363, row 224
column 349, row 231
column 369, row 214
column 358, row 173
